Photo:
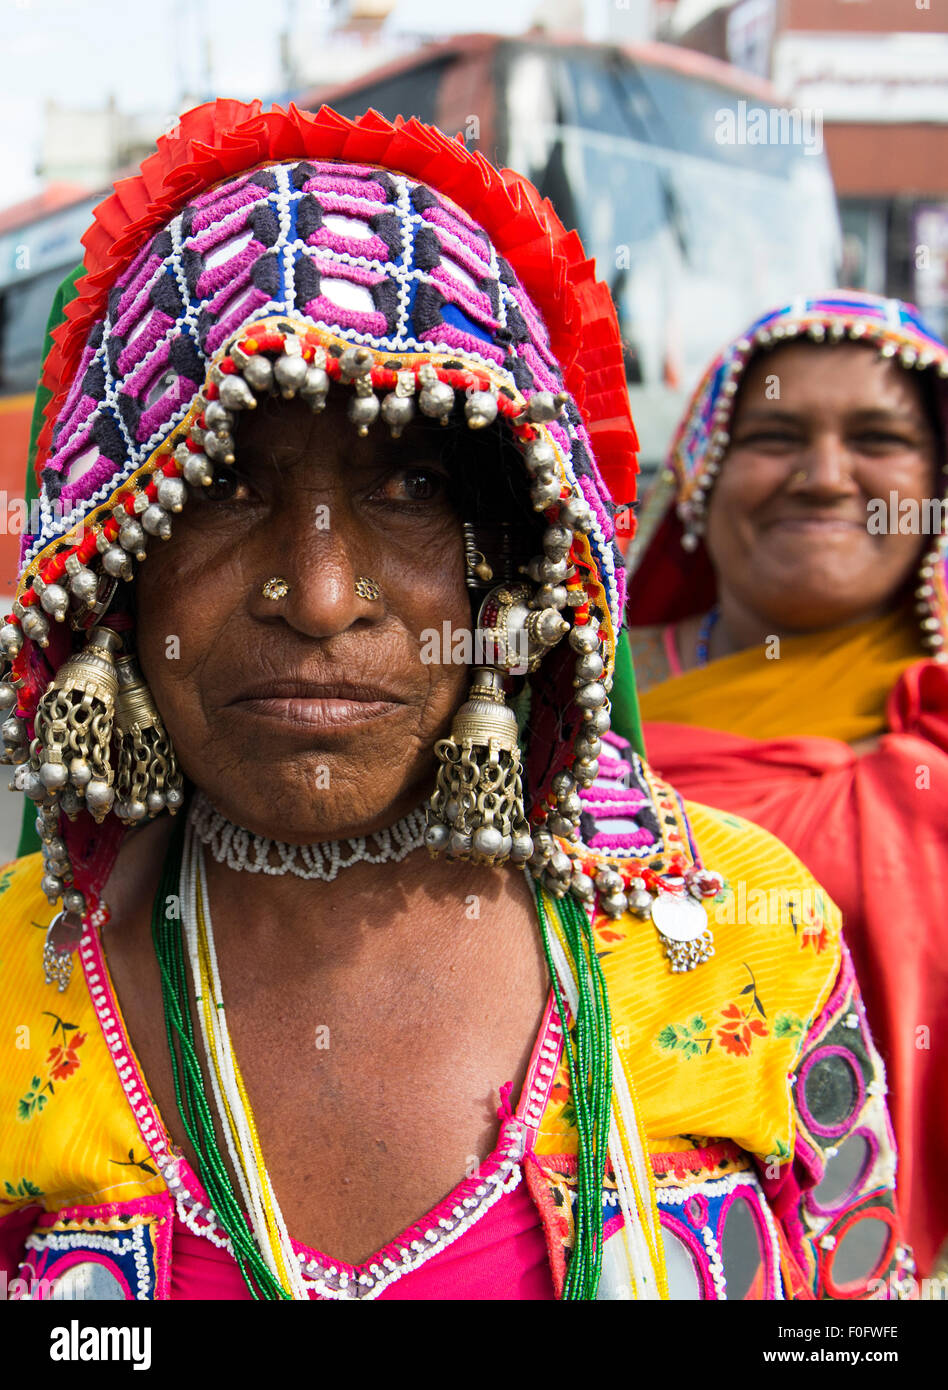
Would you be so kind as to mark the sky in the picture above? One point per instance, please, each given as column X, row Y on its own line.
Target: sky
column 147, row 54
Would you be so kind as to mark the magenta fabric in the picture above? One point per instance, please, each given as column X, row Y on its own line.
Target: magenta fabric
column 874, row 833
column 502, row 1256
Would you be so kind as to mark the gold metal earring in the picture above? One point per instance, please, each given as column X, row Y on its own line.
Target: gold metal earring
column 479, row 571
column 477, row 809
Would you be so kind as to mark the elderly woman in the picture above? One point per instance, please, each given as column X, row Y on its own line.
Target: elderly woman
column 329, row 392
column 792, row 659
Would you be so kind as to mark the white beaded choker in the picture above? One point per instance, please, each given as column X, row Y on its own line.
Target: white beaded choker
column 241, row 849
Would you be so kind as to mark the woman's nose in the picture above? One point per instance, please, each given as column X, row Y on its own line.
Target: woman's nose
column 327, row 573
column 825, row 466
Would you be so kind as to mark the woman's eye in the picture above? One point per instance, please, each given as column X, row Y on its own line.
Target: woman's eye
column 413, row 485
column 227, row 487
column 882, row 439
column 770, row 439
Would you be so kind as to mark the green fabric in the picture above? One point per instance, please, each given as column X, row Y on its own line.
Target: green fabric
column 626, row 719
column 29, row 840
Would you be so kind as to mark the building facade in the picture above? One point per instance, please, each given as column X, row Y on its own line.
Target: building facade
column 874, row 74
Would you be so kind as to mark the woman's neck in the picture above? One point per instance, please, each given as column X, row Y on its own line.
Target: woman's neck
column 739, row 628
column 368, row 906
column 387, row 908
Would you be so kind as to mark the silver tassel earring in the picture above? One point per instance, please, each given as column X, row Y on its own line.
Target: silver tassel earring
column 147, row 780
column 477, row 809
column 73, row 727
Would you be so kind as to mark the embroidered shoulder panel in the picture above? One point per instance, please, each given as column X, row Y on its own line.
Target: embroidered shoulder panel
column 69, row 1130
column 121, row 1251
column 720, row 1238
column 710, row 1050
column 837, row 1201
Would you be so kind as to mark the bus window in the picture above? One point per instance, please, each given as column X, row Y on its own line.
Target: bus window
column 692, row 233
column 24, row 309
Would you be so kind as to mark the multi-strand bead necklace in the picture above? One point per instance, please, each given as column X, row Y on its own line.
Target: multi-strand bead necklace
column 263, row 1254
column 608, row 1123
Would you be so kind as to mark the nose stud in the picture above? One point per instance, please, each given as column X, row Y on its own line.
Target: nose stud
column 367, row 588
column 277, row 588
column 800, row 476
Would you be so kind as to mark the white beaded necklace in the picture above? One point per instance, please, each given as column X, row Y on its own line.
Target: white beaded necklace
column 234, row 1115
column 241, row 849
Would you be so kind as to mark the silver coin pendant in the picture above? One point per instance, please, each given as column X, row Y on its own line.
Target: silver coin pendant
column 679, row 917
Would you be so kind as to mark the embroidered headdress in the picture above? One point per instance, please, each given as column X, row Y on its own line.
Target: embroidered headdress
column 279, row 252
column 680, row 577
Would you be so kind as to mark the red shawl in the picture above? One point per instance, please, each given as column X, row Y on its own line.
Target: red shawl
column 873, row 829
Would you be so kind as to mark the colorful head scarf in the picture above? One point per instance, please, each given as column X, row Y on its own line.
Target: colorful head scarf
column 259, row 248
column 673, row 577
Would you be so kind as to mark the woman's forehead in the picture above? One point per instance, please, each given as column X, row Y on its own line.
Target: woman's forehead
column 850, row 375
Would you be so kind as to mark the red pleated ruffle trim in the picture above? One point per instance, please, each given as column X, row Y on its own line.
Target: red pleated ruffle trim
column 223, row 138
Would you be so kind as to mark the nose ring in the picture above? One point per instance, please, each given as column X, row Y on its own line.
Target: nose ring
column 800, row 476
column 275, row 588
column 367, row 588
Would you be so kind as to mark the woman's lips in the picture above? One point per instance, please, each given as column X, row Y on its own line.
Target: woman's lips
column 818, row 525
column 315, row 714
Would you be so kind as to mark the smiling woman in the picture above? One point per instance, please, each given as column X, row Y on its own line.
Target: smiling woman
column 819, row 434
column 793, row 664
column 292, row 1057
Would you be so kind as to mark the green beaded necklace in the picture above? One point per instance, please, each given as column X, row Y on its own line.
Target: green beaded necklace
column 588, row 1052
column 588, row 1047
column 189, row 1083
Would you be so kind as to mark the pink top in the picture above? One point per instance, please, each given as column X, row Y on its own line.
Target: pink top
column 501, row 1256
column 485, row 1240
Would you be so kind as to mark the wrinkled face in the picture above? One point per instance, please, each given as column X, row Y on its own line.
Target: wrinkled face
column 313, row 716
column 821, row 434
